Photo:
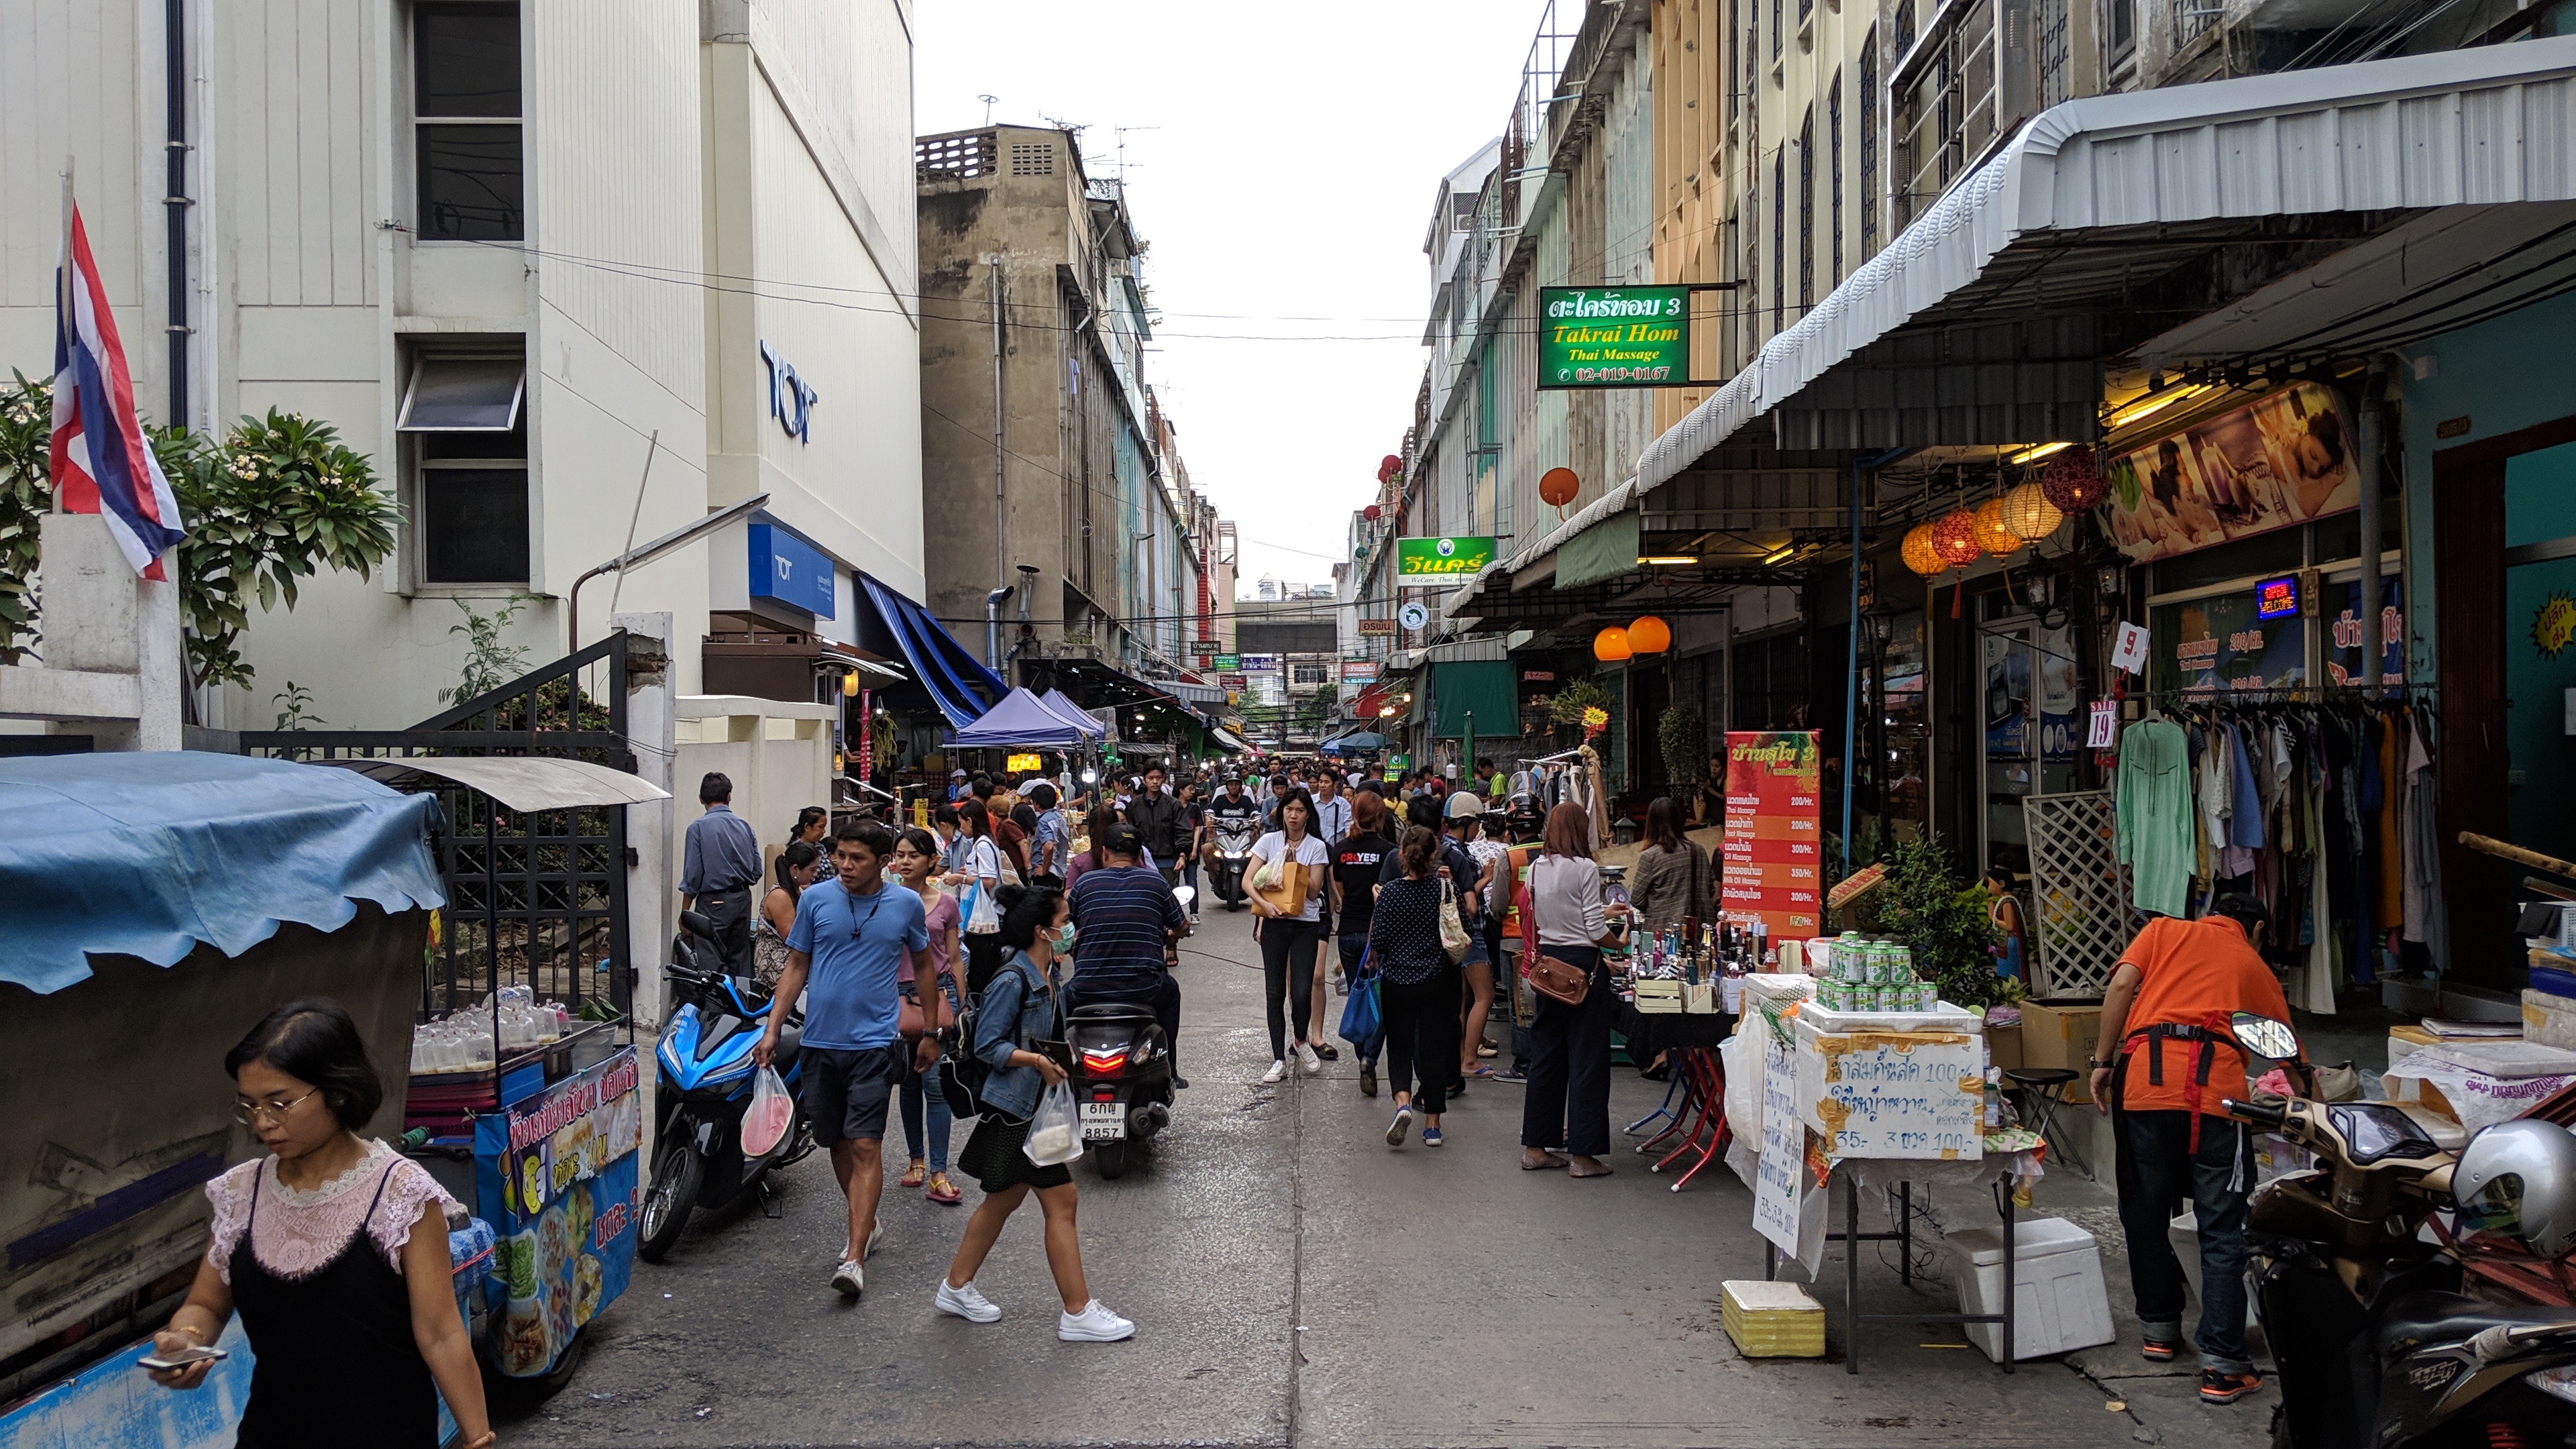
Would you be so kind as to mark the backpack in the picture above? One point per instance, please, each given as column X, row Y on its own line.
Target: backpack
column 961, row 1074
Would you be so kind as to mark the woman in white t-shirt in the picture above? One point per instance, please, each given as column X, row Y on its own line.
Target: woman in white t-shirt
column 1289, row 938
column 979, row 862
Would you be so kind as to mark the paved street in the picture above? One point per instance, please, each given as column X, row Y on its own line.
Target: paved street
column 1295, row 1282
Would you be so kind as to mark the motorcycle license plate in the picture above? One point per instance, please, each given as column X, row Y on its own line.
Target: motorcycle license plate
column 1104, row 1121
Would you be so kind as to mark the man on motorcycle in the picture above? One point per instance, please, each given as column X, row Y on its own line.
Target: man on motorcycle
column 1123, row 916
column 2164, row 1066
column 847, row 940
column 1232, row 805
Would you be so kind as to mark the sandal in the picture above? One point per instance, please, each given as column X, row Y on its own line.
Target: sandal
column 913, row 1175
column 1479, row 1070
column 944, row 1191
column 1325, row 1050
column 1488, row 1049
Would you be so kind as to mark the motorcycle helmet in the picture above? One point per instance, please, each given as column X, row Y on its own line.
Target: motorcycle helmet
column 2518, row 1179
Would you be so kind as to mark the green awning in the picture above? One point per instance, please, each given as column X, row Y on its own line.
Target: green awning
column 1483, row 686
column 1605, row 550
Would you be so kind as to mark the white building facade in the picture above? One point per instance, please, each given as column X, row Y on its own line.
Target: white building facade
column 508, row 248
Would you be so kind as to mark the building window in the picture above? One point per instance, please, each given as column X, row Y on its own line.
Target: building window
column 1834, row 125
column 465, row 121
column 1779, row 236
column 464, row 425
column 1869, row 145
column 2122, row 28
column 2055, row 75
column 1305, row 674
column 1776, row 29
column 1807, row 212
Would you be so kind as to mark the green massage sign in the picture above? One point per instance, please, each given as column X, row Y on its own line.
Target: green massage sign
column 1613, row 337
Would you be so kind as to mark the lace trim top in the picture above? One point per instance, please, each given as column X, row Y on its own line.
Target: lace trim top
column 296, row 1234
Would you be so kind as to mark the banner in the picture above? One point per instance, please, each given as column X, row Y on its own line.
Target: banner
column 561, row 1166
column 1613, row 337
column 1421, row 558
column 1774, row 852
column 2282, row 459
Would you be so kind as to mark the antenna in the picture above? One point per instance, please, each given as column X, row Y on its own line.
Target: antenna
column 988, row 107
column 1122, row 146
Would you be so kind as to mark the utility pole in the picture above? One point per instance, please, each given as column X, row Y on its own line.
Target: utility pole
column 1001, row 519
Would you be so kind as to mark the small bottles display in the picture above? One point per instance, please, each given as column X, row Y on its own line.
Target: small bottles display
column 463, row 1041
column 1697, row 951
column 1862, row 974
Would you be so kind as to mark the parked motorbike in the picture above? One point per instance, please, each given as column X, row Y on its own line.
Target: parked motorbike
column 705, row 1073
column 2376, row 1346
column 1232, row 858
column 1122, row 1078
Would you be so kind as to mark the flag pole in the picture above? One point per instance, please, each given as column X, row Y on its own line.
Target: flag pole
column 62, row 312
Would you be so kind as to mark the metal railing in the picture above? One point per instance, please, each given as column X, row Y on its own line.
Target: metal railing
column 1946, row 113
column 957, row 156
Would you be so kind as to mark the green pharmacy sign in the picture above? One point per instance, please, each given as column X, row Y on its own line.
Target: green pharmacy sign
column 1613, row 337
column 1431, row 558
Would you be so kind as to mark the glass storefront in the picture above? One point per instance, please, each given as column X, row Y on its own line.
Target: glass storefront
column 2280, row 612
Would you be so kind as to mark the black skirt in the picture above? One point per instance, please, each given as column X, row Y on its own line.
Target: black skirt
column 994, row 1159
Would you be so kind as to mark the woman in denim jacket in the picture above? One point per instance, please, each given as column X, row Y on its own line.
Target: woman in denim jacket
column 1016, row 1013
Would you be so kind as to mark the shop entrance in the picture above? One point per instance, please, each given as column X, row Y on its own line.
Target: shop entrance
column 2032, row 728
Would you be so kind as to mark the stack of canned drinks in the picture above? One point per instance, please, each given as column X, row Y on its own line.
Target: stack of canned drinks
column 1871, row 975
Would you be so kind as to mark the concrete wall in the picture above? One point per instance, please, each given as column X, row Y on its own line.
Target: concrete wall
column 779, row 757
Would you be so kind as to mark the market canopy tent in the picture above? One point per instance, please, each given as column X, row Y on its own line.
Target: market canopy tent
column 149, row 855
column 955, row 680
column 1359, row 742
column 1073, row 714
column 1020, row 721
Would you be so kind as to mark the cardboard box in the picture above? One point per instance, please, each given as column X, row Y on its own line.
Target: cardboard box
column 2057, row 1033
column 2003, row 1046
column 1891, row 1086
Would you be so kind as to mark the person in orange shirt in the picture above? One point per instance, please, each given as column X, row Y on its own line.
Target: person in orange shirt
column 2163, row 1067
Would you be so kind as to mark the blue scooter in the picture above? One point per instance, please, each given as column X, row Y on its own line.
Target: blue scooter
column 704, row 1078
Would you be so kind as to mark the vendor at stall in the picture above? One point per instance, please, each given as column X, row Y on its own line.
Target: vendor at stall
column 2163, row 1067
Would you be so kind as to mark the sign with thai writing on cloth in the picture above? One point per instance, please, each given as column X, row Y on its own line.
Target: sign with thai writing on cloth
column 561, row 1166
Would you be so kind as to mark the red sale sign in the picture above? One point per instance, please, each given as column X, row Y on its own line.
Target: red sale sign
column 1774, row 853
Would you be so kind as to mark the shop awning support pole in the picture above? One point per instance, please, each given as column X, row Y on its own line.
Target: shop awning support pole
column 1851, row 674
column 2374, row 384
column 1001, row 520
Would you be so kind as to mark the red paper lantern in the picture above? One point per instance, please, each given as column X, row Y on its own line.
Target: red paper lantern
column 1389, row 468
column 2072, row 482
column 1649, row 635
column 1370, row 513
column 1954, row 537
column 1557, row 487
column 1611, row 645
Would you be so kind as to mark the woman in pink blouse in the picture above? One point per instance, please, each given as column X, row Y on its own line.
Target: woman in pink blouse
column 333, row 1247
column 916, row 856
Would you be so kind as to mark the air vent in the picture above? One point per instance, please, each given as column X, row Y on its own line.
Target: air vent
column 1032, row 158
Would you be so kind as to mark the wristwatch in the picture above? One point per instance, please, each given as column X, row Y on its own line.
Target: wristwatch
column 2096, row 1063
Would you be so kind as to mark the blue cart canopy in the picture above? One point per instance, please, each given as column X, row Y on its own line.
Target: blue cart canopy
column 149, row 854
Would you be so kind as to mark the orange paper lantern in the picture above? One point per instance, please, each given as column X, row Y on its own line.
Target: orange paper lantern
column 1649, row 635
column 1557, row 487
column 1954, row 537
column 1611, row 645
column 1992, row 535
column 1920, row 555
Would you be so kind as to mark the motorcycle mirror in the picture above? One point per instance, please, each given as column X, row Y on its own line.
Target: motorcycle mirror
column 1186, row 895
column 2264, row 1037
column 1091, row 777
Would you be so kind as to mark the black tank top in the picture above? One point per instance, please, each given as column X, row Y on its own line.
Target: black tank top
column 337, row 1363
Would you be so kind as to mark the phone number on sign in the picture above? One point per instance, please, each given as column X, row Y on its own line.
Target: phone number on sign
column 1623, row 374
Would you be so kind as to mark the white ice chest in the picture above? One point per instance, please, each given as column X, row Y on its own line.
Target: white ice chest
column 2058, row 1299
column 1893, row 1084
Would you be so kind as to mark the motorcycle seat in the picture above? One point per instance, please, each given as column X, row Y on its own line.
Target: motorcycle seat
column 2421, row 1318
column 1112, row 1011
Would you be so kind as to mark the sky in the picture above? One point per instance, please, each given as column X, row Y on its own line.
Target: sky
column 1281, row 173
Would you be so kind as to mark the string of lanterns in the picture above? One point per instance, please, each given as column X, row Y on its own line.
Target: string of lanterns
column 1645, row 634
column 2071, row 483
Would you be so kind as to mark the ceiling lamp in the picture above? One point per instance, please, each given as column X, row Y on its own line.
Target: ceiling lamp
column 1920, row 555
column 1611, row 645
column 1557, row 487
column 1992, row 535
column 1649, row 635
column 2071, row 481
column 2029, row 514
column 1954, row 537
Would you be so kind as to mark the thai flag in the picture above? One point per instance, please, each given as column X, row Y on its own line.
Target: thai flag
column 100, row 460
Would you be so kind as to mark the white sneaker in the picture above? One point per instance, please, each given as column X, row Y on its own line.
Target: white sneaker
column 1094, row 1324
column 1278, row 1073
column 966, row 1303
column 876, row 1235
column 848, row 1279
column 1306, row 1058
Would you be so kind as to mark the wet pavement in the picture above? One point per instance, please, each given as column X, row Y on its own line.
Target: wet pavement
column 1296, row 1282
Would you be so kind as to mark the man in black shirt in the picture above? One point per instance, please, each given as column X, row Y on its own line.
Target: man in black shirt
column 1233, row 803
column 1357, row 860
column 1157, row 817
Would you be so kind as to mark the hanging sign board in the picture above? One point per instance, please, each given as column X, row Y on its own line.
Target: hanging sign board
column 2285, row 458
column 1774, row 850
column 1424, row 558
column 1591, row 337
column 1370, row 628
column 1027, row 764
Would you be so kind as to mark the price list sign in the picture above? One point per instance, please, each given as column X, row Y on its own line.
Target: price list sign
column 1774, row 853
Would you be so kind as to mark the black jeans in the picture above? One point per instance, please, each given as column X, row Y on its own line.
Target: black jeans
column 1288, row 970
column 1568, row 1109
column 729, row 912
column 1163, row 1000
column 1422, row 1032
column 2158, row 1171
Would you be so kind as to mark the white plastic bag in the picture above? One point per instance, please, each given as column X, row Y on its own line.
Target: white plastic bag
column 1055, row 1129
column 772, row 1111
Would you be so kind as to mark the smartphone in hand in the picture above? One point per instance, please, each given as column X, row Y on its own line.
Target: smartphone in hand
column 179, row 1358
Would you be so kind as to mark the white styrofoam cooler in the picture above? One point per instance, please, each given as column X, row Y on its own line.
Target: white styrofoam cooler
column 2058, row 1296
column 1892, row 1085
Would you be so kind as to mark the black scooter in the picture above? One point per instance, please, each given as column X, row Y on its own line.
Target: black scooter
column 2376, row 1346
column 1230, row 859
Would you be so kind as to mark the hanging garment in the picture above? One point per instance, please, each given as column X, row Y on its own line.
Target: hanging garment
column 2316, row 983
column 2245, row 816
column 2427, row 919
column 2152, row 815
column 2390, row 757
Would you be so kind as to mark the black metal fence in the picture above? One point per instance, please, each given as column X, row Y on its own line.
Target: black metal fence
column 534, row 898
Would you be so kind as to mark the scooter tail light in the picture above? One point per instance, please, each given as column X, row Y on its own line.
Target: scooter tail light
column 1104, row 1064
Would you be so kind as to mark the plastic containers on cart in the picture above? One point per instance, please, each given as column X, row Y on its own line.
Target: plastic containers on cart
column 2058, row 1299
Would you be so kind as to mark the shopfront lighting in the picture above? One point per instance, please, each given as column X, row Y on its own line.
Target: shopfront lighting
column 1954, row 537
column 2029, row 514
column 1992, row 535
column 1920, row 555
column 1780, row 555
column 850, row 685
column 2154, row 402
column 1666, row 560
column 1611, row 645
column 2037, row 451
column 1649, row 635
column 2073, row 482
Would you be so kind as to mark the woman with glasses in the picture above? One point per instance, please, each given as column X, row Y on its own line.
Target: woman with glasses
column 333, row 1248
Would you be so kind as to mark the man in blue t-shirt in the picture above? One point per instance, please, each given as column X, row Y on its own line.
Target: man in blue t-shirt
column 847, row 941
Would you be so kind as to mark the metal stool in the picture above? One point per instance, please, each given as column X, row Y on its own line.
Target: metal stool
column 2042, row 1091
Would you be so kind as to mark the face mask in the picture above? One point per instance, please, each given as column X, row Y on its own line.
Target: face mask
column 1062, row 941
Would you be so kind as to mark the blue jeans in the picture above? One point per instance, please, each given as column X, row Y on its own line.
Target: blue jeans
column 914, row 1089
column 1190, row 878
column 2157, row 1171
